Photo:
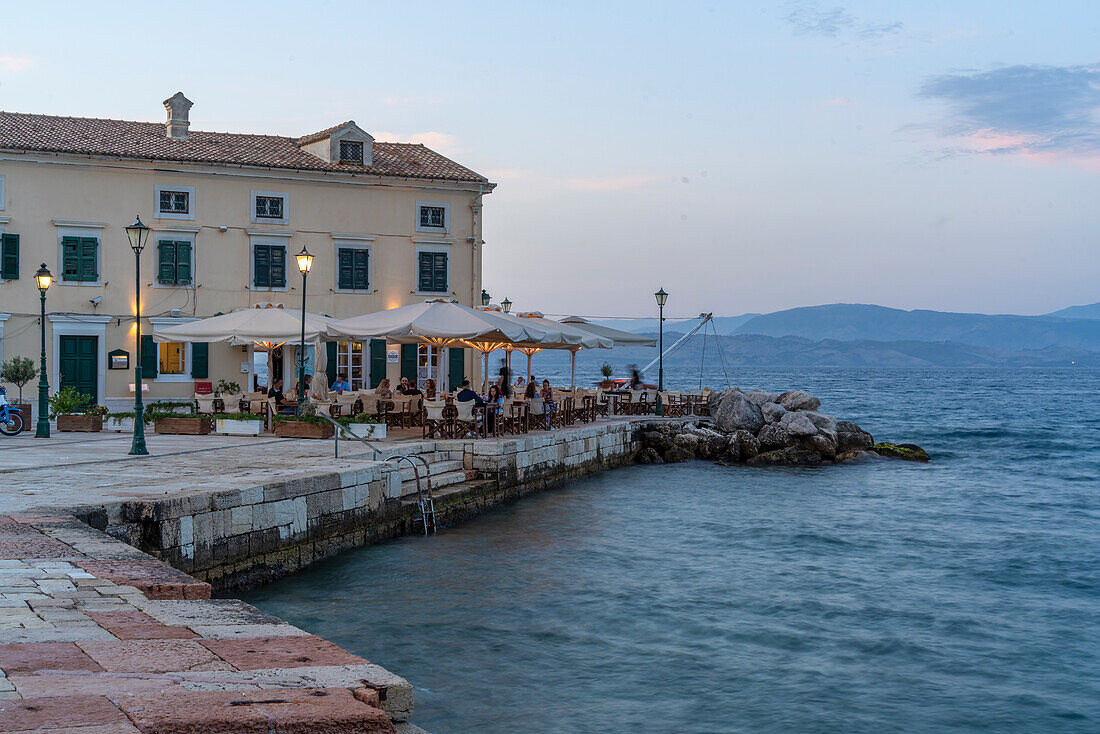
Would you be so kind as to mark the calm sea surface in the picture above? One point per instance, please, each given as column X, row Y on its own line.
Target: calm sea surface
column 962, row 595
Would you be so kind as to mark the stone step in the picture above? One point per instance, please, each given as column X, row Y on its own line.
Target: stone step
column 444, row 474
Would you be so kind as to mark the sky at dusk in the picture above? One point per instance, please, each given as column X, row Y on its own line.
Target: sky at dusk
column 745, row 156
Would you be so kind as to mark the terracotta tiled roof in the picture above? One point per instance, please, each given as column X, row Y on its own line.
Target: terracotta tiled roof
column 322, row 134
column 147, row 140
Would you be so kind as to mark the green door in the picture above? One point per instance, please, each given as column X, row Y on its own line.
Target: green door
column 78, row 365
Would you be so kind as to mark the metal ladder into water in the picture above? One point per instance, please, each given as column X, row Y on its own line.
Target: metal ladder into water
column 424, row 499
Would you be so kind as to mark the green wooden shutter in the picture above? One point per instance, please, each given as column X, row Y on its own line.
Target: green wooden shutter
column 9, row 257
column 408, row 362
column 346, row 268
column 330, row 366
column 166, row 261
column 278, row 266
column 361, row 270
column 148, row 358
column 439, row 273
column 261, row 266
column 456, row 367
column 89, row 259
column 183, row 263
column 200, row 360
column 424, row 281
column 377, row 361
column 70, row 258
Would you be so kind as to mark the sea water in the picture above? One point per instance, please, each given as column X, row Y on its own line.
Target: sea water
column 962, row 595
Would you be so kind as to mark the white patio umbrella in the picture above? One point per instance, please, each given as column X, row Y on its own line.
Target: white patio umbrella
column 439, row 323
column 560, row 336
column 621, row 338
column 264, row 328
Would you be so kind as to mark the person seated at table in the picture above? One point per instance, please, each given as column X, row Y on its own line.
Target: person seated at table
column 407, row 388
column 532, row 391
column 429, row 389
column 547, row 393
column 281, row 403
column 465, row 395
column 495, row 407
column 520, row 387
column 340, row 385
column 383, row 390
column 308, row 392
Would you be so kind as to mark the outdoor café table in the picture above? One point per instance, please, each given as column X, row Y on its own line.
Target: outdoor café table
column 516, row 422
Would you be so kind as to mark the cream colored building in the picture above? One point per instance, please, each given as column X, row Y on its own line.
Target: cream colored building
column 388, row 223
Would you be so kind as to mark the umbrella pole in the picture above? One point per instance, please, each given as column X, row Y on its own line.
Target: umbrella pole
column 485, row 375
column 529, row 366
column 572, row 369
column 251, row 367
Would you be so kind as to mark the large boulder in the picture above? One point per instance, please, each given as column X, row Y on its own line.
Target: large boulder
column 798, row 400
column 907, row 451
column 798, row 424
column 747, row 445
column 786, row 457
column 759, row 397
column 772, row 437
column 850, row 437
column 773, row 412
column 687, row 441
column 823, row 444
column 657, row 440
column 677, row 454
column 737, row 411
column 824, row 423
column 648, row 456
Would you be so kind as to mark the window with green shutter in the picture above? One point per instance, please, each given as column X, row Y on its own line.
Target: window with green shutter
column 353, row 268
column 377, row 361
column 269, row 266
column 148, row 357
column 200, row 360
column 173, row 262
column 9, row 257
column 80, row 259
column 432, row 272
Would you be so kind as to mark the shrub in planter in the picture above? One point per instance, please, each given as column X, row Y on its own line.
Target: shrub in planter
column 304, row 426
column 75, row 411
column 606, row 370
column 19, row 371
column 239, row 424
column 225, row 387
column 363, row 426
column 187, row 425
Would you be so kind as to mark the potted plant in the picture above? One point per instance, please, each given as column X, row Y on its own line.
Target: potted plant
column 165, row 419
column 225, row 387
column 75, row 411
column 239, row 424
column 606, row 371
column 363, row 426
column 307, row 424
column 120, row 422
column 19, row 371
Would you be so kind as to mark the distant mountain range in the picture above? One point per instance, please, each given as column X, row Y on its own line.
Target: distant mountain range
column 867, row 335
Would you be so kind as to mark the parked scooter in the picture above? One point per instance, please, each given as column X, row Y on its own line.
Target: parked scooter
column 11, row 419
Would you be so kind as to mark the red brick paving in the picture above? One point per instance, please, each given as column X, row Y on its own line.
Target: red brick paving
column 22, row 657
column 280, row 652
column 36, row 547
column 155, row 579
column 137, row 625
column 152, row 656
column 31, row 685
column 329, row 710
column 53, row 713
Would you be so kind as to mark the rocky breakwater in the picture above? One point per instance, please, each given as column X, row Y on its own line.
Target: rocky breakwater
column 764, row 428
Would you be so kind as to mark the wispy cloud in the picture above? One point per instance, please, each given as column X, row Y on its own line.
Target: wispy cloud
column 440, row 142
column 812, row 19
column 1041, row 112
column 15, row 63
column 838, row 102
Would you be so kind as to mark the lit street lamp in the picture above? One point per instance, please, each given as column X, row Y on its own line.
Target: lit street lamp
column 138, row 234
column 43, row 279
column 661, row 297
column 305, row 262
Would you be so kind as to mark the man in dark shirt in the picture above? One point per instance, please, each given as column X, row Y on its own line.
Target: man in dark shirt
column 406, row 388
column 276, row 392
column 465, row 394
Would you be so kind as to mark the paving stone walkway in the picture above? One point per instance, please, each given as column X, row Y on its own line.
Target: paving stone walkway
column 99, row 638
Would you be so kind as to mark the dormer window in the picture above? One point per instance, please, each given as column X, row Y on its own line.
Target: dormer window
column 351, row 151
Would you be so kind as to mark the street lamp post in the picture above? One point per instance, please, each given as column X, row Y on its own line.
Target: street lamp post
column 43, row 279
column 138, row 234
column 485, row 297
column 305, row 262
column 661, row 297
column 505, row 305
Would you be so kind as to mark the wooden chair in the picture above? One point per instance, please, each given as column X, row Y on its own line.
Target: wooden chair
column 205, row 404
column 469, row 420
column 536, row 415
column 436, row 424
column 602, row 404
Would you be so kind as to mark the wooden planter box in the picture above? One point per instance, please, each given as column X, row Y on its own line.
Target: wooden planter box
column 25, row 414
column 188, row 426
column 83, row 423
column 302, row 429
column 363, row 430
column 239, row 428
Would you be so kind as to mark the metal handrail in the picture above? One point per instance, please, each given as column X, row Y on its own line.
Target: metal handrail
column 341, row 429
column 426, row 504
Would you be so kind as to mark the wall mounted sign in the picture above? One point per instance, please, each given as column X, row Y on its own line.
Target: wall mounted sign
column 118, row 359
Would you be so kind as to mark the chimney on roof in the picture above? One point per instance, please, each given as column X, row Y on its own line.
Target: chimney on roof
column 178, row 108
